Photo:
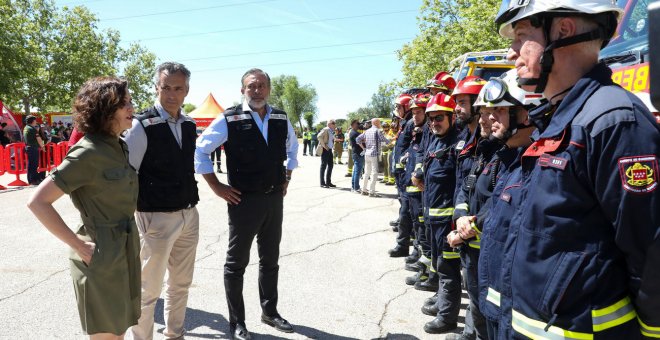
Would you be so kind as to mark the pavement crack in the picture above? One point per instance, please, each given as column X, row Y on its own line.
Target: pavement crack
column 388, row 272
column 33, row 285
column 385, row 309
column 208, row 246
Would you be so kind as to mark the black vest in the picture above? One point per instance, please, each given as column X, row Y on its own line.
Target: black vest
column 167, row 174
column 253, row 165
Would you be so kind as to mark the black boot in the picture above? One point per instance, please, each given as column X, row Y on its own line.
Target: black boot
column 430, row 285
column 418, row 277
column 398, row 251
column 438, row 326
column 415, row 267
column 412, row 258
column 432, row 300
column 394, row 223
column 430, row 310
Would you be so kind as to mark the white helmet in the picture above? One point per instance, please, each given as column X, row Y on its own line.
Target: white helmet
column 506, row 92
column 515, row 10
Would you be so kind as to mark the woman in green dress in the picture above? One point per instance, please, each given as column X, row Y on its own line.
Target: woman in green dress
column 104, row 254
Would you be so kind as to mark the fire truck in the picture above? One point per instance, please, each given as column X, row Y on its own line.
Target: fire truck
column 628, row 52
column 486, row 64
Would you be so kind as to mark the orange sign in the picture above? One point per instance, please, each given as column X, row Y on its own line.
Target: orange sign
column 633, row 78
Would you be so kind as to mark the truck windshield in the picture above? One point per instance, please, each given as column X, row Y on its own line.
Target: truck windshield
column 633, row 30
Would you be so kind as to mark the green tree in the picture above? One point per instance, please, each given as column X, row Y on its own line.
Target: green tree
column 54, row 51
column 309, row 118
column 295, row 99
column 138, row 66
column 448, row 29
column 188, row 107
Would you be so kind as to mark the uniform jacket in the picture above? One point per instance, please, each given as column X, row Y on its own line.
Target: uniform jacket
column 585, row 257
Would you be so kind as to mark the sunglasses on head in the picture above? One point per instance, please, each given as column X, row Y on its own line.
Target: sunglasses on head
column 439, row 118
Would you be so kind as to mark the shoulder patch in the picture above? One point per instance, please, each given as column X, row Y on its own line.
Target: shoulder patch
column 639, row 174
column 235, row 118
column 277, row 116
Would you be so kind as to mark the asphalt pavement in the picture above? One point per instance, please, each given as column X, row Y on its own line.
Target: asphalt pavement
column 336, row 280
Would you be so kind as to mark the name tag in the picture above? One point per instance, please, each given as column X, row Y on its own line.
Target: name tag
column 277, row 116
column 236, row 118
column 546, row 160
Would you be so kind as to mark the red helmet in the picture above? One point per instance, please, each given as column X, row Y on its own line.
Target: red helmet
column 441, row 102
column 469, row 85
column 421, row 99
column 442, row 81
column 404, row 100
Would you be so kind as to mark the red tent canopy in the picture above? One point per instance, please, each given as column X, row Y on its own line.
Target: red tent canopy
column 206, row 112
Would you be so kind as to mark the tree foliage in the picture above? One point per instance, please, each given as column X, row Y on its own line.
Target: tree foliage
column 380, row 105
column 448, row 29
column 297, row 100
column 50, row 52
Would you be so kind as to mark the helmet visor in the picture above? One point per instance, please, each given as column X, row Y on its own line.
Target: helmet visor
column 496, row 91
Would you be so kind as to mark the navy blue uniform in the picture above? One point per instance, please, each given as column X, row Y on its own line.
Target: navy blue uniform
column 440, row 181
column 504, row 201
column 414, row 195
column 585, row 258
column 405, row 219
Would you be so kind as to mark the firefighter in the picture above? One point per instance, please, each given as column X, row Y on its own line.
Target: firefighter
column 422, row 245
column 511, row 130
column 583, row 250
column 402, row 109
column 437, row 178
column 441, row 82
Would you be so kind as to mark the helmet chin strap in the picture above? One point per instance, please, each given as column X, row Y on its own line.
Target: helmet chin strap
column 547, row 58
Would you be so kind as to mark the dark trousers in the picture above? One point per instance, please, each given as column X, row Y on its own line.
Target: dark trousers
column 215, row 157
column 259, row 215
column 32, row 164
column 405, row 222
column 475, row 323
column 416, row 207
column 326, row 163
column 492, row 327
column 449, row 273
column 307, row 144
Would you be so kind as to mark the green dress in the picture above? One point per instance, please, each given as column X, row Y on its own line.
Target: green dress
column 104, row 188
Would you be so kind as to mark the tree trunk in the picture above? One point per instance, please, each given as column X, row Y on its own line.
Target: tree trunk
column 26, row 107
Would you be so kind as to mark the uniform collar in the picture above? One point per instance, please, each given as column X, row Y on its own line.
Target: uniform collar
column 599, row 76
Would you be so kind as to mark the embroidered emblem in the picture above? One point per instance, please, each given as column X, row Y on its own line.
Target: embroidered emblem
column 236, row 118
column 506, row 197
column 277, row 116
column 546, row 160
column 639, row 173
column 460, row 145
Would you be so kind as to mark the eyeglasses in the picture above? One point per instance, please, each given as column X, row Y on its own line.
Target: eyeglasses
column 439, row 118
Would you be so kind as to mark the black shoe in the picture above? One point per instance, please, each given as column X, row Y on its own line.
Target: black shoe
column 331, row 185
column 419, row 277
column 348, row 175
column 278, row 322
column 412, row 258
column 394, row 223
column 427, row 286
column 438, row 326
column 430, row 310
column 398, row 251
column 432, row 300
column 323, row 186
column 395, row 229
column 461, row 336
column 219, row 171
column 414, row 267
column 239, row 332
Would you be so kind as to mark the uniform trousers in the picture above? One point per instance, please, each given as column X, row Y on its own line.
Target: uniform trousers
column 449, row 273
column 260, row 215
column 418, row 230
column 307, row 145
column 168, row 242
column 32, row 164
column 475, row 323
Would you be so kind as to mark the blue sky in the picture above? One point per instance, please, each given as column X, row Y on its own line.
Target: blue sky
column 344, row 48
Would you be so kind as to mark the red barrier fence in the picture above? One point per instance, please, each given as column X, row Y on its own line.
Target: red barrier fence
column 15, row 160
column 2, row 164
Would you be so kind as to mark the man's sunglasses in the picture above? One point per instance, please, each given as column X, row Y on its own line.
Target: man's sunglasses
column 438, row 118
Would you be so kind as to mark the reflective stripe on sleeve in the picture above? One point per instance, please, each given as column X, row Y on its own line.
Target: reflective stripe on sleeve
column 652, row 332
column 462, row 206
column 399, row 166
column 614, row 315
column 536, row 329
column 449, row 255
column 441, row 211
column 421, row 219
column 412, row 188
column 493, row 296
